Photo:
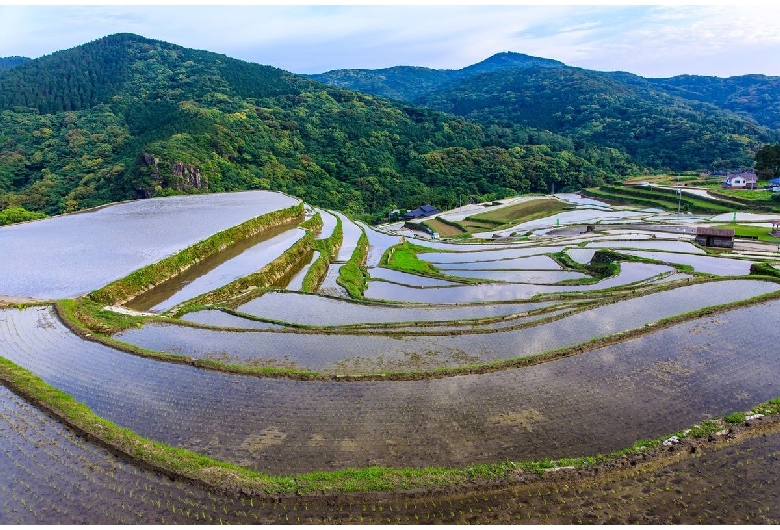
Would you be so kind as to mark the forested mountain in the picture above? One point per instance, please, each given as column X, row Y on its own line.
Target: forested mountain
column 681, row 123
column 655, row 129
column 125, row 117
column 410, row 82
column 10, row 62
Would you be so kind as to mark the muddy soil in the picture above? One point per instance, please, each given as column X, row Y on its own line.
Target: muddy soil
column 49, row 475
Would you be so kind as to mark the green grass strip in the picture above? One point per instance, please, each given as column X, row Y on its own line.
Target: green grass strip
column 141, row 280
column 353, row 275
column 313, row 224
column 291, row 258
column 328, row 249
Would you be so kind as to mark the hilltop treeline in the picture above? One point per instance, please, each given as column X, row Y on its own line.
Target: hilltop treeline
column 125, row 117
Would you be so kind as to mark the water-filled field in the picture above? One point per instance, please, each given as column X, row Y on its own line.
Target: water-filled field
column 52, row 476
column 420, row 372
column 590, row 403
column 70, row 255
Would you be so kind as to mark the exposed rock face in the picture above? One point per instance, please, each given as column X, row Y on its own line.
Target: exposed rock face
column 182, row 177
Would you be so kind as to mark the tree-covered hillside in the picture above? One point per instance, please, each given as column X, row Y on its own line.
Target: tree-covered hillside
column 10, row 62
column 407, row 83
column 655, row 129
column 125, row 117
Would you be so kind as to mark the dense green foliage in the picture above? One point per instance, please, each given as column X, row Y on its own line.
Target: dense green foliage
column 353, row 275
column 768, row 162
column 656, row 130
column 125, row 117
column 10, row 62
column 753, row 96
column 407, row 83
column 18, row 215
column 685, row 122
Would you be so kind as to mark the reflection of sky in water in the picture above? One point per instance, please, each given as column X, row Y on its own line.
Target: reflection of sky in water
column 377, row 244
column 629, row 273
column 529, row 263
column 705, row 264
column 656, row 244
column 317, row 310
column 406, row 278
column 328, row 224
column 69, row 255
column 487, row 255
column 249, row 261
column 351, row 233
column 321, row 352
column 589, row 403
column 296, row 282
column 516, row 276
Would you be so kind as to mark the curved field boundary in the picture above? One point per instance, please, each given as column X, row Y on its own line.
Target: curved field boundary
column 39, row 483
column 248, row 286
column 65, row 313
column 353, row 275
column 222, row 476
column 140, row 281
column 328, row 249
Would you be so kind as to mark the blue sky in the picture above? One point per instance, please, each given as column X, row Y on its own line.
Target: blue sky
column 653, row 41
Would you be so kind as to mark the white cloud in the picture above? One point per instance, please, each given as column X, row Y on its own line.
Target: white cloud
column 647, row 40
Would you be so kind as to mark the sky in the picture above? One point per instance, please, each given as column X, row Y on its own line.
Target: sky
column 651, row 41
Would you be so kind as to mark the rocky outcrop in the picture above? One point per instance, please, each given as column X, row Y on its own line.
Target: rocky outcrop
column 182, row 176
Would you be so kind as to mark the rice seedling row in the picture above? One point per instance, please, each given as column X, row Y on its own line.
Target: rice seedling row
column 71, row 481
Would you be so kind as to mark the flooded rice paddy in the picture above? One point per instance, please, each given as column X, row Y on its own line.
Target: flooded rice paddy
column 540, row 263
column 376, row 353
column 516, row 276
column 630, row 272
column 652, row 244
column 74, row 254
column 596, row 401
column 405, row 278
column 591, row 403
column 49, row 475
column 308, row 310
column 351, row 233
column 706, row 264
column 204, row 277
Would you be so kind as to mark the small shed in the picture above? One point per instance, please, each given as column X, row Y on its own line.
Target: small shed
column 715, row 237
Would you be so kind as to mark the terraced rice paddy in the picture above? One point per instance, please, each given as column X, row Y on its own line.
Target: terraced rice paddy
column 248, row 261
column 591, row 403
column 630, row 273
column 52, row 476
column 422, row 373
column 74, row 254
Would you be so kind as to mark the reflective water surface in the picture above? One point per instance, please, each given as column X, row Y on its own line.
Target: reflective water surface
column 70, row 255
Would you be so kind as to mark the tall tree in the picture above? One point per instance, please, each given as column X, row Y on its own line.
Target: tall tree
column 768, row 162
